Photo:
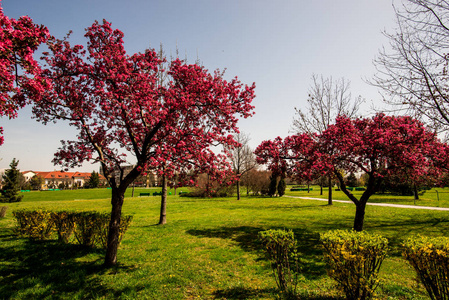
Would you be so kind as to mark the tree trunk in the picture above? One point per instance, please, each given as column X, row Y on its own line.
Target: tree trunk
column 359, row 215
column 163, row 216
column 415, row 192
column 329, row 200
column 118, row 195
column 238, row 189
column 321, row 189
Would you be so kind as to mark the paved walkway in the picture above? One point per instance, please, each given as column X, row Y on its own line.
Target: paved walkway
column 376, row 204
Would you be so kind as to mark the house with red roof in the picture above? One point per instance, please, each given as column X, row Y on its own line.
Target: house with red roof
column 56, row 179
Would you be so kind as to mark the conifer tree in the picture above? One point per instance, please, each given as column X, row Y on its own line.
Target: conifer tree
column 273, row 185
column 281, row 187
column 94, row 180
column 11, row 187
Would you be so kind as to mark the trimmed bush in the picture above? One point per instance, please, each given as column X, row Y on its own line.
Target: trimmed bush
column 89, row 228
column 430, row 259
column 3, row 210
column 280, row 247
column 35, row 224
column 64, row 223
column 354, row 259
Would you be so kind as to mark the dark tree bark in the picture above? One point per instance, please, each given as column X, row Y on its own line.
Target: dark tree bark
column 359, row 216
column 118, row 196
column 329, row 200
column 163, row 215
column 238, row 189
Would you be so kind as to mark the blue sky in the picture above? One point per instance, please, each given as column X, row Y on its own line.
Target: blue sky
column 276, row 44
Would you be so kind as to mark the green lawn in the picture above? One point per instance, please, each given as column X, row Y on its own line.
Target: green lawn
column 436, row 197
column 87, row 194
column 208, row 250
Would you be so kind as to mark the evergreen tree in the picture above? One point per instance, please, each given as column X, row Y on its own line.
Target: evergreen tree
column 273, row 185
column 94, row 180
column 351, row 180
column 11, row 187
column 281, row 187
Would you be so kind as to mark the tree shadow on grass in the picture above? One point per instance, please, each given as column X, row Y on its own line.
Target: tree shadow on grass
column 246, row 237
column 243, row 293
column 251, row 293
column 397, row 231
column 49, row 269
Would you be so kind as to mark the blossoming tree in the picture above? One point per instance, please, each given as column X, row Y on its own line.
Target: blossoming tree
column 381, row 146
column 119, row 108
column 19, row 72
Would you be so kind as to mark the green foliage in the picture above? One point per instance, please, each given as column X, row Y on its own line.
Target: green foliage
column 92, row 228
column 281, row 187
column 89, row 228
column 280, row 247
column 94, row 180
column 354, row 259
column 35, row 224
column 65, row 223
column 12, row 182
column 430, row 259
column 351, row 180
column 273, row 185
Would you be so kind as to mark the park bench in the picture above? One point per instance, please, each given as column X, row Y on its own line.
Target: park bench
column 144, row 194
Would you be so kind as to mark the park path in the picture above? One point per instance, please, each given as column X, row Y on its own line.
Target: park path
column 376, row 204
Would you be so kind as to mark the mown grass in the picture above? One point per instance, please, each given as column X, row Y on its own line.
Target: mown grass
column 87, row 194
column 208, row 250
column 435, row 197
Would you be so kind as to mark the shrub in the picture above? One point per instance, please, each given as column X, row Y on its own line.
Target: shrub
column 430, row 259
column 64, row 224
column 3, row 210
column 354, row 259
column 92, row 228
column 280, row 247
column 35, row 224
column 89, row 228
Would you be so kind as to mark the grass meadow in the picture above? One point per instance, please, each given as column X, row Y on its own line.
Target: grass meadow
column 208, row 249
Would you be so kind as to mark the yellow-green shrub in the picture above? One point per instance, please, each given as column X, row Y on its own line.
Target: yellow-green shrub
column 35, row 224
column 354, row 259
column 64, row 223
column 90, row 228
column 430, row 259
column 280, row 247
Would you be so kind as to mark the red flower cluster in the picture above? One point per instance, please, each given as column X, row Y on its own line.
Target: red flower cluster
column 19, row 72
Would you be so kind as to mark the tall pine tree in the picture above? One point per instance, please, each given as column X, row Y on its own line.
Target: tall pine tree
column 94, row 180
column 11, row 187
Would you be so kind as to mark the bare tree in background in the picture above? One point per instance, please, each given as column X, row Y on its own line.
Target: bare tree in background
column 243, row 159
column 413, row 73
column 328, row 98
